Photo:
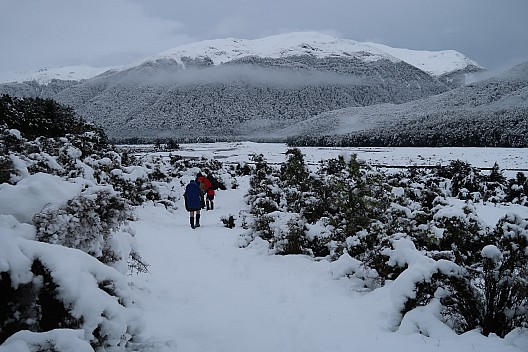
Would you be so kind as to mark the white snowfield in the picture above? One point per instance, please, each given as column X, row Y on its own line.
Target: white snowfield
column 511, row 160
column 435, row 63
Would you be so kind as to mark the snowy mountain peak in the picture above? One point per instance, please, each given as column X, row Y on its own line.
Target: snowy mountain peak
column 45, row 75
column 277, row 46
column 435, row 63
column 319, row 45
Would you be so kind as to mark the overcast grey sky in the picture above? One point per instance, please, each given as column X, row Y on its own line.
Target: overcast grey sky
column 39, row 33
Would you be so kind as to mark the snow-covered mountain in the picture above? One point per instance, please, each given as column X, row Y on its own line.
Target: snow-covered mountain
column 45, row 75
column 278, row 46
column 436, row 63
column 248, row 88
column 221, row 51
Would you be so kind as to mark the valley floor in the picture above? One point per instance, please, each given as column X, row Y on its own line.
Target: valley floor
column 511, row 160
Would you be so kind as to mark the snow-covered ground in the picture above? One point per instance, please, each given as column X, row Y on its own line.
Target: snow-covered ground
column 511, row 160
column 204, row 293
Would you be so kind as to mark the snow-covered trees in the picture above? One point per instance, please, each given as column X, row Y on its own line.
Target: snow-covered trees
column 460, row 128
column 240, row 98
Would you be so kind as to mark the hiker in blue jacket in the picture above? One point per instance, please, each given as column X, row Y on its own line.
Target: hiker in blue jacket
column 193, row 202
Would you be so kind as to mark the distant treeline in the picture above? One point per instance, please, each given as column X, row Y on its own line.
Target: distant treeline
column 504, row 128
column 194, row 139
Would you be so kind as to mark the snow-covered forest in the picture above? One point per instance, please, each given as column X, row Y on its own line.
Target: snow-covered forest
column 164, row 98
column 502, row 128
column 489, row 113
column 307, row 249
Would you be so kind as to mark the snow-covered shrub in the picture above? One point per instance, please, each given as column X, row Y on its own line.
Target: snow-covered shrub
column 6, row 169
column 504, row 280
column 241, row 169
column 133, row 184
column 62, row 175
column 46, row 287
column 461, row 304
column 263, row 199
column 295, row 179
column 58, row 340
column 491, row 292
column 357, row 201
column 302, row 189
column 494, row 186
column 10, row 140
column 277, row 201
column 89, row 222
column 517, row 189
column 458, row 235
column 181, row 164
column 228, row 221
column 292, row 240
column 465, row 179
column 355, row 196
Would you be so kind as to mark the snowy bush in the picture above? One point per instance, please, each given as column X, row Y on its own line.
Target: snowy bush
column 277, row 200
column 460, row 235
column 263, row 199
column 228, row 221
column 6, row 169
column 294, row 240
column 491, row 292
column 404, row 228
column 46, row 287
column 517, row 189
column 90, row 222
column 60, row 181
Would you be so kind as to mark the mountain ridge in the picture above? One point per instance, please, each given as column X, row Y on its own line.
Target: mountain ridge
column 436, row 63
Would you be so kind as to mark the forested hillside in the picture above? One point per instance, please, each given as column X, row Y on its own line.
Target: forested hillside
column 493, row 112
column 249, row 97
